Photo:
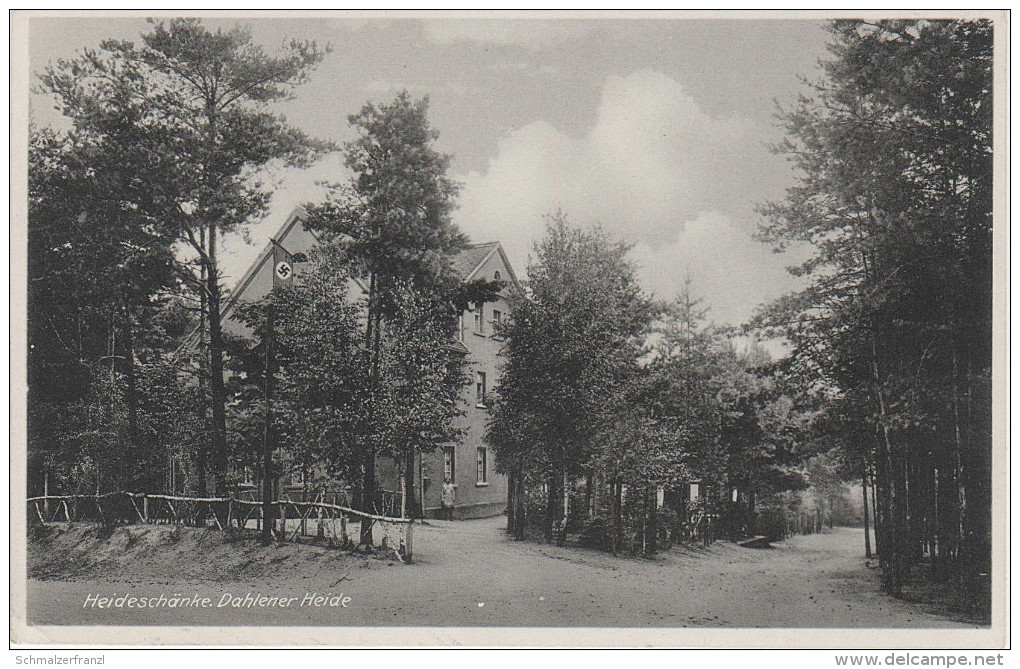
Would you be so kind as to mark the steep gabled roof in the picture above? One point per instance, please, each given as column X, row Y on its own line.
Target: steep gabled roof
column 467, row 262
column 296, row 215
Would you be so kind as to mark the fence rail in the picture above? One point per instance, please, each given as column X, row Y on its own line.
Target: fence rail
column 335, row 524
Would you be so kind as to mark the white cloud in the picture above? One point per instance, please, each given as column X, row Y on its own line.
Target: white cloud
column 377, row 86
column 730, row 270
column 383, row 89
column 530, row 33
column 654, row 170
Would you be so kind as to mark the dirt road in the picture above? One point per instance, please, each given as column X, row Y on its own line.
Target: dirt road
column 467, row 573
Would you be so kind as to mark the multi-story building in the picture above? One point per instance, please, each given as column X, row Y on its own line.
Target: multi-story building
column 469, row 463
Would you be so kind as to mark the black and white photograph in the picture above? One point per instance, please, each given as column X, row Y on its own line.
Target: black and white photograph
column 510, row 329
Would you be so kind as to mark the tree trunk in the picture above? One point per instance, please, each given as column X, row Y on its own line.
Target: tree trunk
column 892, row 508
column 864, row 496
column 137, row 460
column 368, row 457
column 884, row 521
column 617, row 515
column 562, row 538
column 589, row 481
column 204, row 445
column 904, row 532
column 218, row 393
column 511, row 489
column 975, row 440
column 876, row 521
column 410, row 499
column 552, row 506
column 267, row 434
column 948, row 503
column 651, row 506
column 520, row 502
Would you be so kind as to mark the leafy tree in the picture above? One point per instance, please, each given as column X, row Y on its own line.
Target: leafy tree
column 171, row 424
column 572, row 344
column 692, row 367
column 829, row 487
column 423, row 376
column 732, row 426
column 322, row 379
column 98, row 276
column 894, row 146
column 184, row 118
column 394, row 217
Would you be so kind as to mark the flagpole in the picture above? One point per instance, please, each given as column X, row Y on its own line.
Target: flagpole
column 267, row 440
column 267, row 434
column 283, row 275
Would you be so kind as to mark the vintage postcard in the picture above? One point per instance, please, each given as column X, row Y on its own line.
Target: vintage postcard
column 630, row 329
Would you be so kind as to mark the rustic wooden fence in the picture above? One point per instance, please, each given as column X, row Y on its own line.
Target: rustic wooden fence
column 335, row 524
column 701, row 528
column 779, row 524
column 387, row 503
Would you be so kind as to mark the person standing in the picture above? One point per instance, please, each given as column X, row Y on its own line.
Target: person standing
column 449, row 498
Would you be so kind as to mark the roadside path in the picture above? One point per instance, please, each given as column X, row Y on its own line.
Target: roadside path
column 467, row 573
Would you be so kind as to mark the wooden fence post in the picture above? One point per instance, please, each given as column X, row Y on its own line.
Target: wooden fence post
column 123, row 506
column 408, row 543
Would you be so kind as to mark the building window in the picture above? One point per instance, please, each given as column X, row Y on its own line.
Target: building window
column 482, row 466
column 480, row 388
column 449, row 465
column 479, row 318
column 495, row 277
column 497, row 324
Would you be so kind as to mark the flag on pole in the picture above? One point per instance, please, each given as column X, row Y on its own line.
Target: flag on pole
column 283, row 266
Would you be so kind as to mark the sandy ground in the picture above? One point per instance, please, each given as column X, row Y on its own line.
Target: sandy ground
column 467, row 573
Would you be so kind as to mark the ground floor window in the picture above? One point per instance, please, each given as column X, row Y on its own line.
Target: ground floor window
column 449, row 466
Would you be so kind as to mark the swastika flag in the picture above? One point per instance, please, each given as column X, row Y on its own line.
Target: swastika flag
column 283, row 266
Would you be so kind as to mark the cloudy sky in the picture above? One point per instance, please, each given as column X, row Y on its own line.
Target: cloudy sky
column 656, row 130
